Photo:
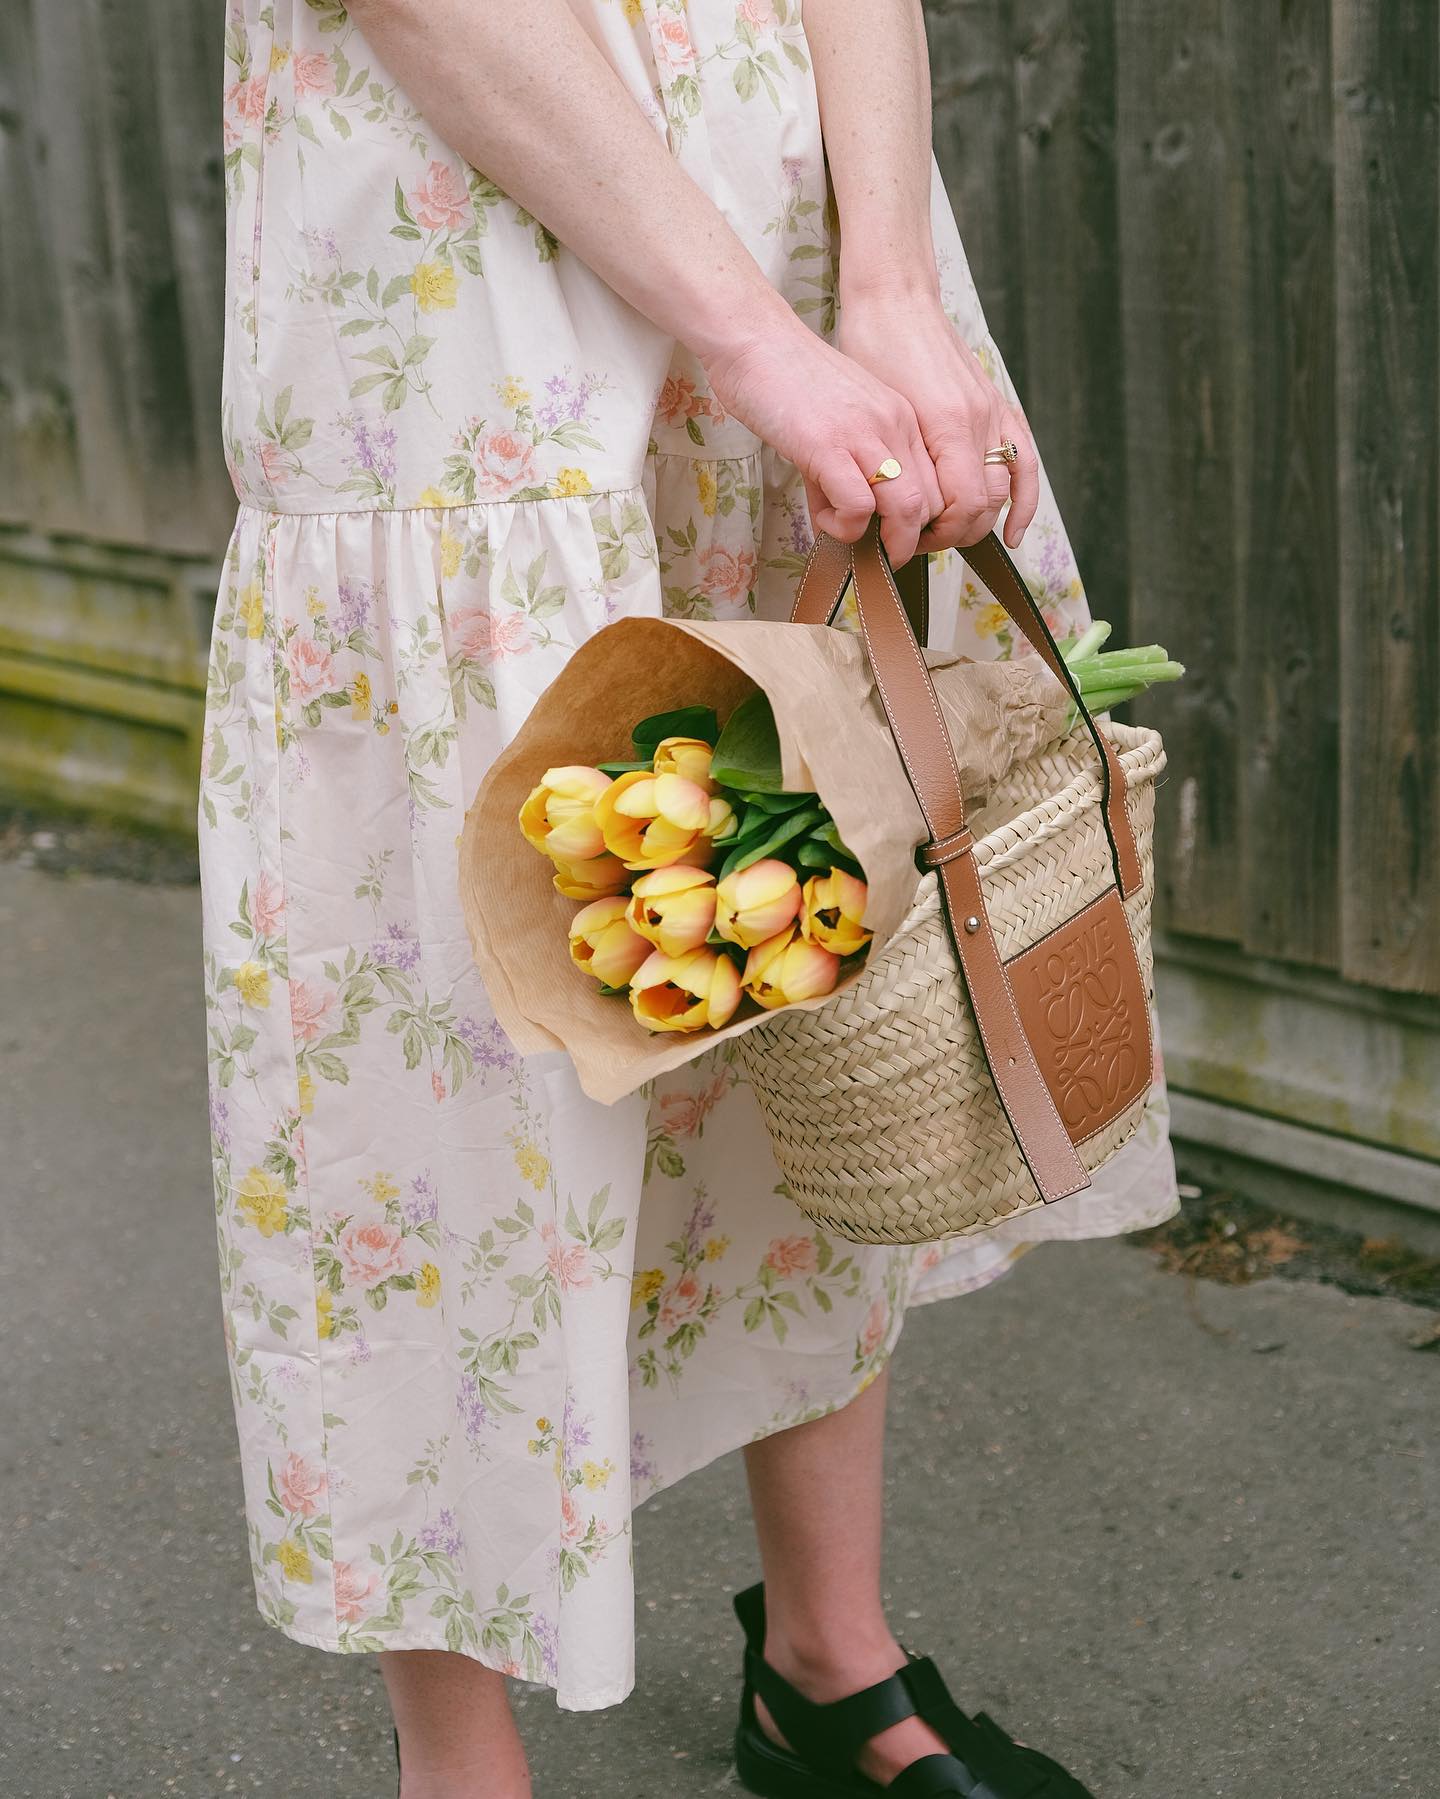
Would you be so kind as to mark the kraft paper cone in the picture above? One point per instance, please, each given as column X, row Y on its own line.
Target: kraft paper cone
column 833, row 740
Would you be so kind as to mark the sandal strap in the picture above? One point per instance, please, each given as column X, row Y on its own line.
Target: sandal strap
column 829, row 1735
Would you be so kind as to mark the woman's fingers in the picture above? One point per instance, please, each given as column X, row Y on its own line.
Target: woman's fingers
column 1024, row 478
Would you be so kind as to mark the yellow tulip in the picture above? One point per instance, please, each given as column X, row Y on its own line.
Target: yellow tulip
column 756, row 902
column 674, row 908
column 685, row 993
column 652, row 821
column 832, row 908
column 598, row 878
column 786, row 968
column 559, row 816
column 687, row 756
column 603, row 944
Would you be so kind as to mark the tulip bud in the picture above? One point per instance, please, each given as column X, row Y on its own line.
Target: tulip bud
column 652, row 821
column 786, row 968
column 687, row 756
column 831, row 912
column 756, row 902
column 559, row 816
column 602, row 943
column 685, row 993
column 674, row 908
column 600, row 876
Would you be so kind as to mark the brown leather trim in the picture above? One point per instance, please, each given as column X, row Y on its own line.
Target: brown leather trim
column 1081, row 997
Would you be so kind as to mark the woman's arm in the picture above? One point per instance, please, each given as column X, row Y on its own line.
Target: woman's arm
column 872, row 73
column 523, row 94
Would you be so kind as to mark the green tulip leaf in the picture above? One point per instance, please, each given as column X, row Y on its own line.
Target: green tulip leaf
column 777, row 803
column 688, row 721
column 763, row 844
column 747, row 754
column 622, row 768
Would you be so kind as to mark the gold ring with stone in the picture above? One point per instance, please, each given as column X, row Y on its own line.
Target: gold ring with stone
column 887, row 471
column 1005, row 452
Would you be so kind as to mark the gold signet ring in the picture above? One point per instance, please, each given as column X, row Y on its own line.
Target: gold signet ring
column 887, row 471
column 1006, row 452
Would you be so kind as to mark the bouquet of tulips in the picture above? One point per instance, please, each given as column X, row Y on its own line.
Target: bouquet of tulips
column 707, row 886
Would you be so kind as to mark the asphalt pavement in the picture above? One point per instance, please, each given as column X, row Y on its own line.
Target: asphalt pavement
column 1182, row 1536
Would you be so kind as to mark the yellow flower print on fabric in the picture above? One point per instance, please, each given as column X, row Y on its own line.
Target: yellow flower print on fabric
column 314, row 605
column 708, row 489
column 569, row 482
column 990, row 619
column 250, row 605
column 381, row 1188
column 264, row 1201
column 715, row 1247
column 294, row 1558
column 427, row 1284
column 306, row 1092
column 533, row 1167
column 324, row 1313
column 450, row 548
column 432, row 496
column 434, row 287
column 513, row 392
column 596, row 1474
column 646, row 1286
column 252, row 983
column 360, row 696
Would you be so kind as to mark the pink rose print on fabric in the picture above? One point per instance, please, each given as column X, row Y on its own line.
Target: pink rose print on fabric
column 680, row 1303
column 674, row 53
column 247, row 98
column 756, row 13
column 567, row 1262
column 792, row 1255
column 267, row 906
column 873, row 1335
column 441, row 202
column 371, row 1253
column 572, row 1525
column 354, row 1584
column 503, row 462
column 727, row 575
column 302, row 1486
column 312, row 1007
column 312, row 670
column 481, row 636
column 679, row 401
column 682, row 1114
column 313, row 73
column 272, row 463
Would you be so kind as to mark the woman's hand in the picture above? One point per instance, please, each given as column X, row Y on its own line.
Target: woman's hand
column 911, row 345
column 837, row 422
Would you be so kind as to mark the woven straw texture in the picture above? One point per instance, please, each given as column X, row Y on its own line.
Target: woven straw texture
column 884, row 1119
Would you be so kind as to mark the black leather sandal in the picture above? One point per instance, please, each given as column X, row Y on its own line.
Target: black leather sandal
column 820, row 1764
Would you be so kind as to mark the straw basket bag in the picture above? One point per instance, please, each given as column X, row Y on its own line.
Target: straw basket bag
column 998, row 1050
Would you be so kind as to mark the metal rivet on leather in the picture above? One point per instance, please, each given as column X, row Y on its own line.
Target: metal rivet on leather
column 972, row 924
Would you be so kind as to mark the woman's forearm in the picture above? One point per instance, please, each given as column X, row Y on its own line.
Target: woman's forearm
column 524, row 95
column 872, row 74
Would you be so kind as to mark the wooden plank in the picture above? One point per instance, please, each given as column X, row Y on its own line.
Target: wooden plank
column 187, row 81
column 1387, row 83
column 160, row 423
column 1287, row 678
column 108, row 500
column 1074, row 351
column 973, row 95
column 38, row 468
column 1177, row 249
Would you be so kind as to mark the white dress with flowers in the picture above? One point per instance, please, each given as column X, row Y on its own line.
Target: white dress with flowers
column 472, row 1316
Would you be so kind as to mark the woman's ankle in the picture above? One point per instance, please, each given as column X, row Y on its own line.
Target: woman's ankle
column 830, row 1659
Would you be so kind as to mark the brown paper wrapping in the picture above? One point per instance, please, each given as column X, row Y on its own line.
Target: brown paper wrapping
column 833, row 740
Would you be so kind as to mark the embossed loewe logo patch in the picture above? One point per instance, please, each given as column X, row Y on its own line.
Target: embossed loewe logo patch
column 1082, row 1003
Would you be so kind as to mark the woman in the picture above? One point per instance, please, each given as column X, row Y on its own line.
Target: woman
column 471, row 418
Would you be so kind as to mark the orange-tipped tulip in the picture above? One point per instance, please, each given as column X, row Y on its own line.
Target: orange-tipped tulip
column 652, row 821
column 685, row 993
column 833, row 906
column 595, row 879
column 602, row 943
column 687, row 756
column 559, row 816
column 674, row 908
column 786, row 968
column 756, row 902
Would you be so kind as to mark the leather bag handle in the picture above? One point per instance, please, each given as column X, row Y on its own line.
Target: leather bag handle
column 908, row 697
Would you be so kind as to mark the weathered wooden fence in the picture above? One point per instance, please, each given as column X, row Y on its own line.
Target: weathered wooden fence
column 1208, row 238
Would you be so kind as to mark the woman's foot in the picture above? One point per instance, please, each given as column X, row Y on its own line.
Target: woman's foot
column 824, row 1672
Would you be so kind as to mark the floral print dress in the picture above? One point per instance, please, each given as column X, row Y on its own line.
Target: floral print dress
column 473, row 1317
